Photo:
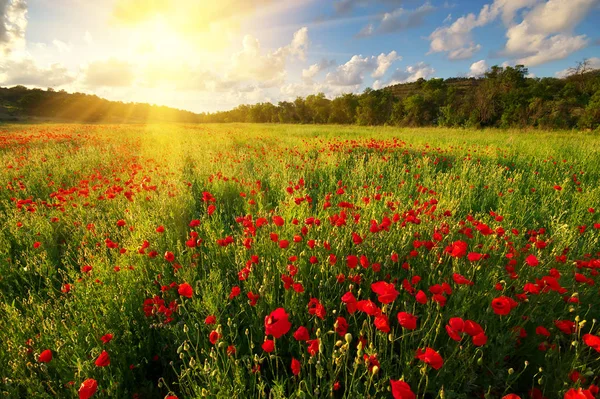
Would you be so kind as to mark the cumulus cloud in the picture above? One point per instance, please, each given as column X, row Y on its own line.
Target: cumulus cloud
column 478, row 68
column 13, row 23
column 109, row 73
column 412, row 73
column 268, row 68
column 313, row 70
column 27, row 72
column 398, row 20
column 384, row 62
column 353, row 72
column 545, row 34
column 457, row 40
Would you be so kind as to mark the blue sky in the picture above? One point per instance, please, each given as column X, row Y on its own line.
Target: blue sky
column 208, row 56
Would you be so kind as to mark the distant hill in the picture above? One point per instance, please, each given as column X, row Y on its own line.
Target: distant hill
column 460, row 85
column 22, row 104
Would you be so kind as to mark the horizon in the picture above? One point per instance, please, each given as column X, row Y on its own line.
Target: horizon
column 214, row 57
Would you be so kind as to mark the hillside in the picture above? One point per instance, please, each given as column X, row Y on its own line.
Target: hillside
column 21, row 104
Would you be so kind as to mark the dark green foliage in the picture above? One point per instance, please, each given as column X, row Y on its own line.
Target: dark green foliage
column 503, row 97
column 19, row 102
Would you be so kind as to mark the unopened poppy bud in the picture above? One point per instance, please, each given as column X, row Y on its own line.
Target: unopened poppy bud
column 511, row 371
column 185, row 328
column 540, row 380
column 338, row 343
column 526, row 363
column 480, row 361
column 318, row 333
column 348, row 338
column 375, row 370
column 390, row 337
column 192, row 362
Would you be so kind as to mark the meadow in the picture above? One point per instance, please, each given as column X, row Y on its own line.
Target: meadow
column 276, row 261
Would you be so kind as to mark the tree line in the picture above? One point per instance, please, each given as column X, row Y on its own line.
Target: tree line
column 503, row 97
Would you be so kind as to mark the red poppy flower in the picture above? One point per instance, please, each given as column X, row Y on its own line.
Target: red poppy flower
column 214, row 337
column 277, row 323
column 88, row 388
column 540, row 330
column 313, row 346
column 185, row 290
column 268, row 346
column 579, row 393
column 407, row 320
column 295, row 366
column 350, row 300
column 106, row 338
column 103, row 360
column 386, row 291
column 511, row 396
column 461, row 280
column 592, row 341
column 421, row 297
column 401, row 390
column 235, row 291
column 45, row 356
column 566, row 326
column 503, row 305
column 301, row 334
column 382, row 323
column 532, row 260
column 457, row 249
column 430, row 357
column 210, row 320
column 341, row 326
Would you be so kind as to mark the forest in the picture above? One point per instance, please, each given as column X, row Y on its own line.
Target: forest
column 504, row 97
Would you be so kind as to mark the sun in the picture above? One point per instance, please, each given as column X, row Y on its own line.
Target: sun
column 156, row 38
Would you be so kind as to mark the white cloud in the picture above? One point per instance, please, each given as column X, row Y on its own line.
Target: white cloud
column 61, row 46
column 313, row 70
column 398, row 20
column 411, row 73
column 353, row 72
column 13, row 23
column 26, row 72
column 478, row 68
column 545, row 34
column 108, row 73
column 457, row 40
column 384, row 62
column 269, row 68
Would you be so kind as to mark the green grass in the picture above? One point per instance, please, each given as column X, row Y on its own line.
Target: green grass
column 83, row 179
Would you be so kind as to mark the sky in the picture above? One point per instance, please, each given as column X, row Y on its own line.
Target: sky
column 206, row 56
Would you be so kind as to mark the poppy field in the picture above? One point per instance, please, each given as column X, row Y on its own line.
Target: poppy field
column 279, row 261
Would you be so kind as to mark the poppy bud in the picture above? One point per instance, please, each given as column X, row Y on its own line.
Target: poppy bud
column 511, row 371
column 348, row 338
